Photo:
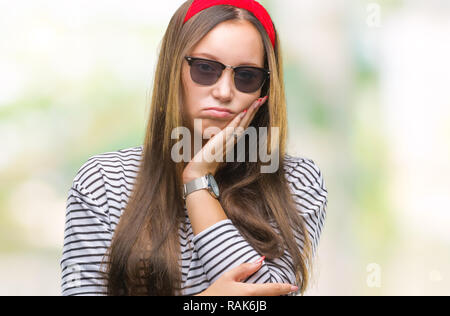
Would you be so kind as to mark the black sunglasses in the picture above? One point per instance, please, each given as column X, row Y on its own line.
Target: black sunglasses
column 247, row 79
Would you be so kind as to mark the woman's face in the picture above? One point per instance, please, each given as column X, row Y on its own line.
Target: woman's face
column 232, row 43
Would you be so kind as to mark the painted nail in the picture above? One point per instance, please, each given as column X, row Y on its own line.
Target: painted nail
column 245, row 111
column 261, row 101
column 260, row 260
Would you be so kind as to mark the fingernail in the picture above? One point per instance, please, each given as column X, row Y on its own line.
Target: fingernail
column 294, row 288
column 260, row 260
column 245, row 111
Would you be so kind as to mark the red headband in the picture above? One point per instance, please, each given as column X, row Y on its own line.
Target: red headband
column 257, row 9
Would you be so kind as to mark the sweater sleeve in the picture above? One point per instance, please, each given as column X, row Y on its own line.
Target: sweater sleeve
column 87, row 237
column 221, row 247
column 311, row 197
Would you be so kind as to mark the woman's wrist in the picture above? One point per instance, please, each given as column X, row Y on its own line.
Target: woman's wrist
column 188, row 177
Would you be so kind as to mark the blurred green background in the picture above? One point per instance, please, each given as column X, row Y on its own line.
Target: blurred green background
column 368, row 101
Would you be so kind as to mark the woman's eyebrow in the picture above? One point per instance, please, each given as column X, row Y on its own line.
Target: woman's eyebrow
column 217, row 59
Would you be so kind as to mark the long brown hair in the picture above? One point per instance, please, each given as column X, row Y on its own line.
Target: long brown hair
column 145, row 252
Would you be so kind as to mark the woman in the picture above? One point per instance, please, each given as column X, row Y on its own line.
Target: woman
column 255, row 233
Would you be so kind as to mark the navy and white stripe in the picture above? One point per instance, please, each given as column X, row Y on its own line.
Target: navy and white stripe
column 100, row 192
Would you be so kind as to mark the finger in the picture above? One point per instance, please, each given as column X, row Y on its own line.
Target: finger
column 228, row 130
column 270, row 289
column 245, row 122
column 249, row 114
column 237, row 127
column 245, row 270
column 232, row 129
column 236, row 120
column 235, row 131
column 218, row 142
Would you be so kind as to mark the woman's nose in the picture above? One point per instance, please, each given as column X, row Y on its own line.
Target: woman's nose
column 223, row 89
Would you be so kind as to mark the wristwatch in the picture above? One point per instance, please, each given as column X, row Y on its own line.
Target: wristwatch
column 206, row 182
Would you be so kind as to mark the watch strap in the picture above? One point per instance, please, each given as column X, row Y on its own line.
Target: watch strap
column 194, row 185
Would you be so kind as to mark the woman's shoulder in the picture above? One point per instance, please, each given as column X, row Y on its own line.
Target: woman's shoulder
column 303, row 171
column 108, row 164
column 107, row 179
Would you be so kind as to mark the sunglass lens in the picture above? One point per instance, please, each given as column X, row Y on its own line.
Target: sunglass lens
column 248, row 80
column 204, row 72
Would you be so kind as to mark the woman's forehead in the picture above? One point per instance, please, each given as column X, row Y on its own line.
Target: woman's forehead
column 232, row 43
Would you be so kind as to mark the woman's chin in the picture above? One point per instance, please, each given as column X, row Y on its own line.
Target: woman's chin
column 213, row 124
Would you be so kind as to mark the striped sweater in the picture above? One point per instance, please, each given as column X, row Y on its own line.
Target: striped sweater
column 100, row 192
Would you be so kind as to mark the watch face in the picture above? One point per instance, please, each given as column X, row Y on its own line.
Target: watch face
column 214, row 185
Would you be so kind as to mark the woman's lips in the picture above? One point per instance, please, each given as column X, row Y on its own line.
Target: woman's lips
column 218, row 114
